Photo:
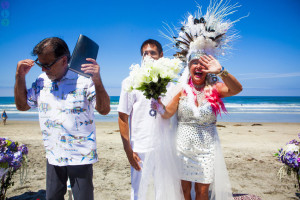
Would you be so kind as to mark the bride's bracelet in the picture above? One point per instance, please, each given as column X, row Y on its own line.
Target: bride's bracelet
column 161, row 109
column 223, row 72
column 156, row 106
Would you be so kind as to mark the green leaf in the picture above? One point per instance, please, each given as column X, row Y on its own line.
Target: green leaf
column 8, row 142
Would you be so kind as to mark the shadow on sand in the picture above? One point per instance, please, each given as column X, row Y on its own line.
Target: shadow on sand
column 246, row 197
column 39, row 195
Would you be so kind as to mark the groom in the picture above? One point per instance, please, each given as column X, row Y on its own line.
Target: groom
column 135, row 106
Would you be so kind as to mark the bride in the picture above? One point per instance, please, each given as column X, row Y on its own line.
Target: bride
column 188, row 148
column 197, row 142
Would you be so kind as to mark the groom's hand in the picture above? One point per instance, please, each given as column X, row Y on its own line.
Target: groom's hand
column 136, row 161
column 133, row 159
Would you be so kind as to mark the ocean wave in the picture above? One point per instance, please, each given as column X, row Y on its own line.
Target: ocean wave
column 284, row 112
column 229, row 105
column 266, row 109
column 14, row 106
column 233, row 108
column 234, row 105
column 10, row 113
column 22, row 112
column 113, row 113
column 8, row 106
column 37, row 112
column 114, row 106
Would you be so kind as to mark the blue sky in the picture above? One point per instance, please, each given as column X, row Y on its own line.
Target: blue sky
column 265, row 59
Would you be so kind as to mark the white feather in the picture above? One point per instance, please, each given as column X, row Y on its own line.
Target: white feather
column 204, row 40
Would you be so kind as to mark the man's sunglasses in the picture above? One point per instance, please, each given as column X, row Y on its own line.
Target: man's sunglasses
column 48, row 67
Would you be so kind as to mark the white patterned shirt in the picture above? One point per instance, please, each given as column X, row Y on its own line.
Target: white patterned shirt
column 66, row 115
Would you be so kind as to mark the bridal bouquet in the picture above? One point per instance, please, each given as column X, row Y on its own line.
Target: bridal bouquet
column 12, row 157
column 153, row 76
column 290, row 157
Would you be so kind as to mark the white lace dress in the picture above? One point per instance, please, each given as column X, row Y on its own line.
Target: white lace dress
column 196, row 140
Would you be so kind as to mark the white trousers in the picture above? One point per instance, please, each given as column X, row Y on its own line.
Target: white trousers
column 136, row 178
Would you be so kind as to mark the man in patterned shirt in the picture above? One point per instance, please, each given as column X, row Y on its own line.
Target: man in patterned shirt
column 66, row 102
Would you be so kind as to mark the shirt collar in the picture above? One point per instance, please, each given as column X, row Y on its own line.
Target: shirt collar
column 69, row 75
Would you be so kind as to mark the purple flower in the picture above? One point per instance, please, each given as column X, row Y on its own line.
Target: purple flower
column 11, row 154
column 279, row 154
column 13, row 146
column 23, row 149
column 17, row 161
column 2, row 142
column 293, row 142
column 290, row 159
column 2, row 158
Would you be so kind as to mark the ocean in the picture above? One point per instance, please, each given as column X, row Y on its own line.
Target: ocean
column 240, row 109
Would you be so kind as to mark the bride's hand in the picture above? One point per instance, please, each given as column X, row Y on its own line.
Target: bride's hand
column 157, row 105
column 211, row 64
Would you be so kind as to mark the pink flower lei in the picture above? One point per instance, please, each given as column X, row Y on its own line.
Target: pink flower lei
column 212, row 96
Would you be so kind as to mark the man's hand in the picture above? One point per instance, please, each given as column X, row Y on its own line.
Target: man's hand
column 24, row 67
column 133, row 158
column 102, row 98
column 211, row 64
column 20, row 91
column 92, row 68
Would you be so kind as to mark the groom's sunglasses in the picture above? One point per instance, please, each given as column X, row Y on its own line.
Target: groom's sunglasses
column 48, row 67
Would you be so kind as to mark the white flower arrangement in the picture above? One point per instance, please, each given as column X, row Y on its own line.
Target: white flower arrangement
column 153, row 76
column 291, row 148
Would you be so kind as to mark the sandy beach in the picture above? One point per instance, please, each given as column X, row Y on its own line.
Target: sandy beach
column 248, row 149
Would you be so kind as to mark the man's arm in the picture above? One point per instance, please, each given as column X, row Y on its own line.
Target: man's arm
column 20, row 90
column 133, row 157
column 102, row 98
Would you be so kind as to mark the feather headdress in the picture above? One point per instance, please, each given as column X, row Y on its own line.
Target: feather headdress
column 204, row 34
column 209, row 34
